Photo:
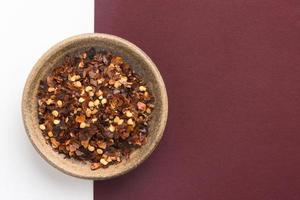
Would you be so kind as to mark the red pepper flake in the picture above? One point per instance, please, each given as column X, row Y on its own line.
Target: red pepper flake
column 93, row 107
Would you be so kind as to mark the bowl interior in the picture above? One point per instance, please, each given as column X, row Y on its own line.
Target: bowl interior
column 137, row 59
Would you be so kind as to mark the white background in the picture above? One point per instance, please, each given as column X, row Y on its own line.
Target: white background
column 27, row 29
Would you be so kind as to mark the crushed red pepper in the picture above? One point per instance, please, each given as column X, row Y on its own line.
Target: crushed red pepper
column 94, row 108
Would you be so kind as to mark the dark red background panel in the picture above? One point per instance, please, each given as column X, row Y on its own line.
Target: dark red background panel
column 232, row 71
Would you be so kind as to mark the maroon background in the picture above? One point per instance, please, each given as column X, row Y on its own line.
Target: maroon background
column 232, row 71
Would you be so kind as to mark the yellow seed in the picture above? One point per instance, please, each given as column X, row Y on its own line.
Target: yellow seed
column 109, row 159
column 51, row 89
column 128, row 113
column 59, row 103
column 103, row 101
column 81, row 64
column 71, row 78
column 49, row 101
column 99, row 81
column 81, row 100
column 118, row 120
column 100, row 97
column 91, row 94
column 50, row 134
column 83, row 125
column 94, row 120
column 77, row 84
column 56, row 121
column 67, row 119
column 117, row 84
column 99, row 151
column 42, row 127
column 96, row 102
column 54, row 143
column 121, row 122
column 123, row 79
column 103, row 161
column 142, row 88
column 88, row 112
column 88, row 88
column 55, row 113
column 130, row 122
column 111, row 128
column 91, row 104
column 91, row 148
column 77, row 77
column 148, row 110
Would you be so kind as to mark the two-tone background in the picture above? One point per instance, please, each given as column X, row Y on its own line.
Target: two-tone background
column 232, row 71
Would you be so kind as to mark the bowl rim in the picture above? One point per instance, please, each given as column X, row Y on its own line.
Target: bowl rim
column 100, row 36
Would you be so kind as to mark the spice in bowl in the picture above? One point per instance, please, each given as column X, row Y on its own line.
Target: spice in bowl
column 94, row 108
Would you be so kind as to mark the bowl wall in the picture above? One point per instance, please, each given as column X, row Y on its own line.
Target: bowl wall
column 137, row 59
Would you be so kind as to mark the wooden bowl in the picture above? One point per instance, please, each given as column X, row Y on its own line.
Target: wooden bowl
column 139, row 61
